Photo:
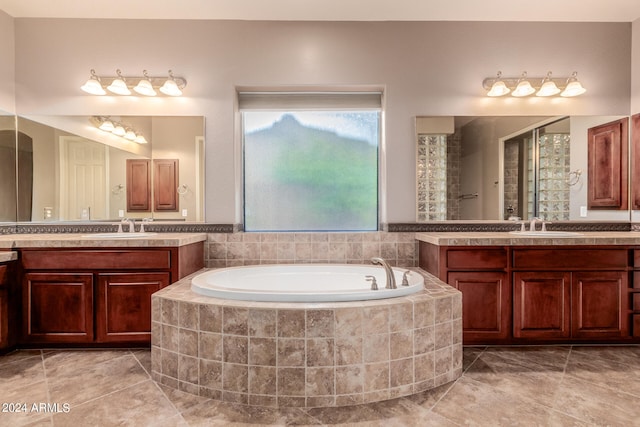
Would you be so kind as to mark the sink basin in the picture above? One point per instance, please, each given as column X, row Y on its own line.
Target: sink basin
column 118, row 235
column 546, row 233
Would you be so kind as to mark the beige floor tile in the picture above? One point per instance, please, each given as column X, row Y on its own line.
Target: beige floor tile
column 597, row 405
column 501, row 386
column 17, row 355
column 90, row 381
column 20, row 373
column 470, row 402
column 142, row 404
column 516, row 376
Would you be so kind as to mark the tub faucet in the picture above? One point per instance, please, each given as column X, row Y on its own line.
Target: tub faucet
column 391, row 279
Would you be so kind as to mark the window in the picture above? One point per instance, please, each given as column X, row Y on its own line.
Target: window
column 310, row 169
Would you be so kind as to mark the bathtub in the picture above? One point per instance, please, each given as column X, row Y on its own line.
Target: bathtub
column 303, row 283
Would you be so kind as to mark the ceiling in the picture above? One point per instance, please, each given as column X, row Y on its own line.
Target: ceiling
column 332, row 10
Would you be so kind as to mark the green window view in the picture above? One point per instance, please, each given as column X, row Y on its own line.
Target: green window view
column 311, row 171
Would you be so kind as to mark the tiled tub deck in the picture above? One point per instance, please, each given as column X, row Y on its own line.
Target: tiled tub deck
column 306, row 354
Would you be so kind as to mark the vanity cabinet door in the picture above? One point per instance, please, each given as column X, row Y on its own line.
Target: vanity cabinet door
column 486, row 305
column 600, row 304
column 541, row 305
column 57, row 307
column 123, row 311
column 165, row 185
column 138, row 185
column 607, row 165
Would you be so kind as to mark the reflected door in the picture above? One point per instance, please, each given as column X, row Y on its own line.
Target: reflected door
column 83, row 179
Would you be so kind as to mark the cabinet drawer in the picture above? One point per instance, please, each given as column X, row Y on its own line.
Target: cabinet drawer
column 96, row 259
column 476, row 259
column 570, row 259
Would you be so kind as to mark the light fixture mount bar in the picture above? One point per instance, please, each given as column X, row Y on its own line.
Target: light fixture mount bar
column 536, row 82
column 131, row 80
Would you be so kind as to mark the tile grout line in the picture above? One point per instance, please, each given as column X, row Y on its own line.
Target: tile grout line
column 46, row 383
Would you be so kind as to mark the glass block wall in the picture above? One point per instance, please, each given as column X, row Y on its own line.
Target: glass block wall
column 432, row 178
column 554, row 168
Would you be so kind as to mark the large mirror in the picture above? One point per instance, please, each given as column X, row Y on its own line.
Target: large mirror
column 74, row 171
column 8, row 160
column 505, row 167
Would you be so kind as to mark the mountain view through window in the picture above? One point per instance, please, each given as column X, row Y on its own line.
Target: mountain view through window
column 311, row 171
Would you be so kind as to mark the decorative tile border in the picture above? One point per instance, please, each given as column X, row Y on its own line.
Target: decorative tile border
column 412, row 227
column 506, row 226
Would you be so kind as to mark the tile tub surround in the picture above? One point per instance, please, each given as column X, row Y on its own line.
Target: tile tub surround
column 306, row 355
column 237, row 249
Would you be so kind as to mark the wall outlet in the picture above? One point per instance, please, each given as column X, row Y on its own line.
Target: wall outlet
column 583, row 211
column 120, row 213
column 184, row 212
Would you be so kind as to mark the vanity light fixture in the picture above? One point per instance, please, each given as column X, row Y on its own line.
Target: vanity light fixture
column 119, row 85
column 549, row 87
column 498, row 88
column 146, row 85
column 574, row 87
column 93, row 85
column 170, row 86
column 525, row 86
column 122, row 130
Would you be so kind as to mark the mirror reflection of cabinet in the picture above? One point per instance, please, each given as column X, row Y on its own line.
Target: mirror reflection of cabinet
column 165, row 184
column 607, row 165
column 138, row 185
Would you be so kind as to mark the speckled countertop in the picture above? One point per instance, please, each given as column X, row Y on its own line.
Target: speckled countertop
column 15, row 241
column 509, row 239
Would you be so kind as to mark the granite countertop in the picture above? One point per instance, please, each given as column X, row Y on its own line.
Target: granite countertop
column 6, row 256
column 510, row 239
column 64, row 240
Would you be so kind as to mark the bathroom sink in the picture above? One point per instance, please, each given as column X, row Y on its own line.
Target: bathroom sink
column 118, row 235
column 546, row 233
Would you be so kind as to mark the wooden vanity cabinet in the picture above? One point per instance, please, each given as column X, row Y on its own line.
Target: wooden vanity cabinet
column 97, row 296
column 9, row 307
column 536, row 294
column 570, row 293
column 58, row 307
column 607, row 158
column 123, row 305
column 480, row 275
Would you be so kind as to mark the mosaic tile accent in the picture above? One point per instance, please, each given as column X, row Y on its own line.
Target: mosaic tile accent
column 306, row 355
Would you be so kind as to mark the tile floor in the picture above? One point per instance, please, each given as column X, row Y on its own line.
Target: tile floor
column 542, row 386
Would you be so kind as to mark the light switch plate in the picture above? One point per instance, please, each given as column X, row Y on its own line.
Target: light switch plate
column 184, row 212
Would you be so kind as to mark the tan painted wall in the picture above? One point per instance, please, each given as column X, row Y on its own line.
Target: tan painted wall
column 426, row 68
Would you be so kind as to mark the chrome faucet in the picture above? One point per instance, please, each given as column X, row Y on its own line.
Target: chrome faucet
column 130, row 222
column 391, row 279
column 144, row 221
column 532, row 224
